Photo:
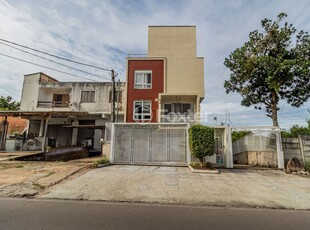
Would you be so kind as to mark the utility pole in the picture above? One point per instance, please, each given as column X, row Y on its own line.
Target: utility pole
column 118, row 98
column 113, row 96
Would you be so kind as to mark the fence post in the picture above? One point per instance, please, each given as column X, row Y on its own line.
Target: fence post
column 112, row 143
column 302, row 149
column 279, row 150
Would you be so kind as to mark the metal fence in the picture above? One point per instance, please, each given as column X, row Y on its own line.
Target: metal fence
column 149, row 144
column 260, row 142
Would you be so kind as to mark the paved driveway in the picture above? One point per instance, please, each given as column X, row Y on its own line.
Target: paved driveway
column 239, row 188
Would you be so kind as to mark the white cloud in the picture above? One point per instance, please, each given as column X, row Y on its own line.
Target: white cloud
column 104, row 32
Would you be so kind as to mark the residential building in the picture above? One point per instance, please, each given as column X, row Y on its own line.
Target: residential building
column 166, row 85
column 68, row 113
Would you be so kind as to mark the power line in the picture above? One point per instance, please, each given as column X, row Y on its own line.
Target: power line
column 55, row 56
column 95, row 75
column 60, row 71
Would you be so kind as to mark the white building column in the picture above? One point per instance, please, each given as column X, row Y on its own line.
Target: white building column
column 74, row 136
column 228, row 152
column 41, row 131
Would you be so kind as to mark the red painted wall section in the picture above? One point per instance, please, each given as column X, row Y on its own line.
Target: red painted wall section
column 157, row 68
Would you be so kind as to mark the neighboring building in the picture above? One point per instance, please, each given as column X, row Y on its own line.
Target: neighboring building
column 16, row 125
column 168, row 84
column 75, row 111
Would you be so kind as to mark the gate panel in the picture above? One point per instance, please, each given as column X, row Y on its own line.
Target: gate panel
column 122, row 146
column 159, row 145
column 177, row 145
column 141, row 145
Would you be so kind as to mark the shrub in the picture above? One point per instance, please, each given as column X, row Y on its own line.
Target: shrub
column 201, row 141
column 209, row 165
column 307, row 166
column 194, row 164
column 101, row 161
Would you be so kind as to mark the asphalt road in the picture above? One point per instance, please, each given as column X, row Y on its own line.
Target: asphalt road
column 63, row 214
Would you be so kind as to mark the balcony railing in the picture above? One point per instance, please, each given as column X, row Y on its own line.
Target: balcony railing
column 178, row 118
column 53, row 104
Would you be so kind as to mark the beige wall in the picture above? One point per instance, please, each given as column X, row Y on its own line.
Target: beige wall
column 30, row 92
column 265, row 158
column 185, row 72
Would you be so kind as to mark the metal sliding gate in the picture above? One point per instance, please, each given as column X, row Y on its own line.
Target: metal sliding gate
column 149, row 144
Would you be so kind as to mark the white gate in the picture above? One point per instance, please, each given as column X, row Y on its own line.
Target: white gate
column 149, row 144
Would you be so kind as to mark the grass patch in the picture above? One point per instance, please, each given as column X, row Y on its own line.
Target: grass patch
column 101, row 161
column 41, row 187
column 19, row 166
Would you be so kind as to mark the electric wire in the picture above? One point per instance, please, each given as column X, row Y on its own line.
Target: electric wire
column 32, row 63
column 95, row 75
column 55, row 56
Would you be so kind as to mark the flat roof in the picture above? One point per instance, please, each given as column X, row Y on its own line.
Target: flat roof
column 40, row 113
column 174, row 26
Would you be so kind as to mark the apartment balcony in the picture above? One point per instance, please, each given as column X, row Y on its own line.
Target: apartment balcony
column 53, row 104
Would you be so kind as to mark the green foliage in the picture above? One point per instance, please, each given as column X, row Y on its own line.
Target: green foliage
column 307, row 166
column 201, row 141
column 195, row 164
column 296, row 130
column 271, row 66
column 236, row 135
column 101, row 161
column 209, row 165
column 6, row 103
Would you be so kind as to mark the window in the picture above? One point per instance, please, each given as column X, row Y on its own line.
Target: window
column 116, row 96
column 88, row 96
column 167, row 109
column 143, row 79
column 182, row 108
column 142, row 110
column 60, row 100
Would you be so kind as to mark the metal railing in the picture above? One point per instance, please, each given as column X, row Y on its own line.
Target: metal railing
column 53, row 104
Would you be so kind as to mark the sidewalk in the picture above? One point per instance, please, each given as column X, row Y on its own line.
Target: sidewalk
column 235, row 188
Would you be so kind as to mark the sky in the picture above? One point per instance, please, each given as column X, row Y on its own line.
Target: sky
column 103, row 33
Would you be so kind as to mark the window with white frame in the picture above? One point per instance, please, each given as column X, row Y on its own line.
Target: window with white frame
column 143, row 79
column 142, row 110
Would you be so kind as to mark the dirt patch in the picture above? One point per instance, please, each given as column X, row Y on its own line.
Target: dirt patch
column 26, row 179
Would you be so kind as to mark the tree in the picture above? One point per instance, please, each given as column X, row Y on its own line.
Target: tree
column 201, row 141
column 271, row 66
column 236, row 135
column 6, row 103
column 297, row 130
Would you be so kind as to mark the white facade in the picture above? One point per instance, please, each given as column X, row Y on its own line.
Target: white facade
column 39, row 90
column 78, row 111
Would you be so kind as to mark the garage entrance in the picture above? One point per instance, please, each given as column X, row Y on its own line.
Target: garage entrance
column 149, row 144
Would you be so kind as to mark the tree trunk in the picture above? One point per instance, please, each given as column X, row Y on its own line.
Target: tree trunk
column 201, row 160
column 274, row 111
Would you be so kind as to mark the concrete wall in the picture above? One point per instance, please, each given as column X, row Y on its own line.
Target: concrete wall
column 185, row 72
column 291, row 148
column 257, row 158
